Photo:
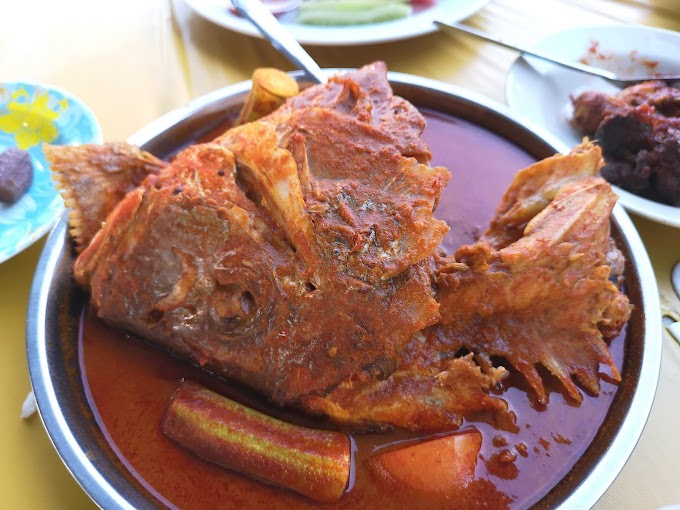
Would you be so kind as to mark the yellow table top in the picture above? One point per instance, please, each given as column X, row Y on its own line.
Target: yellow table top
column 132, row 61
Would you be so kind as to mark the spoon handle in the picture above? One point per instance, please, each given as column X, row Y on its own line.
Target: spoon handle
column 565, row 63
column 279, row 37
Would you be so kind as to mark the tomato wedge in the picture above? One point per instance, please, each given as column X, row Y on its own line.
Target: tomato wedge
column 439, row 465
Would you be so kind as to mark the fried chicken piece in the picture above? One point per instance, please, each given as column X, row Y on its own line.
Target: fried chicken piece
column 249, row 287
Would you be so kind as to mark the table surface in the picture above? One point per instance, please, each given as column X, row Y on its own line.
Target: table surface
column 133, row 61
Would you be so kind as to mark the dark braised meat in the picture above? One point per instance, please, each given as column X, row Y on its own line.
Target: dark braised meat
column 639, row 132
column 590, row 109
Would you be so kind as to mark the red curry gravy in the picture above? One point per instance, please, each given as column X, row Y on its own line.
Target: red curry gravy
column 129, row 384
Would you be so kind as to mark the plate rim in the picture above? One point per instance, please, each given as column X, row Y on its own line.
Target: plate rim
column 641, row 206
column 352, row 35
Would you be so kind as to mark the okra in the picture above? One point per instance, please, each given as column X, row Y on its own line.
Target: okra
column 315, row 463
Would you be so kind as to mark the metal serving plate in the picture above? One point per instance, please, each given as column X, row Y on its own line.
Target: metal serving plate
column 55, row 306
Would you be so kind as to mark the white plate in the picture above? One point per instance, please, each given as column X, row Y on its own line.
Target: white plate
column 540, row 91
column 419, row 23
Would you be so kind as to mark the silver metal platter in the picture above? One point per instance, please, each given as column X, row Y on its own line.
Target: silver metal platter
column 56, row 303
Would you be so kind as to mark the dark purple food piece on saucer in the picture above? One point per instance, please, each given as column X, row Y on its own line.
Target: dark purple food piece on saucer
column 16, row 174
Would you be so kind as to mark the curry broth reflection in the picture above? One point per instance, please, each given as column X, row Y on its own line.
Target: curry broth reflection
column 130, row 384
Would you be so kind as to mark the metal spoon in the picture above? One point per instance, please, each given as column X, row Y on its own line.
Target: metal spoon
column 279, row 37
column 610, row 76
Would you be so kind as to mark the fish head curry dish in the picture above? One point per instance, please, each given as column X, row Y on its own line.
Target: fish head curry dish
column 297, row 256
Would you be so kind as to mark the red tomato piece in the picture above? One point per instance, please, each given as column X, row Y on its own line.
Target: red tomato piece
column 439, row 465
